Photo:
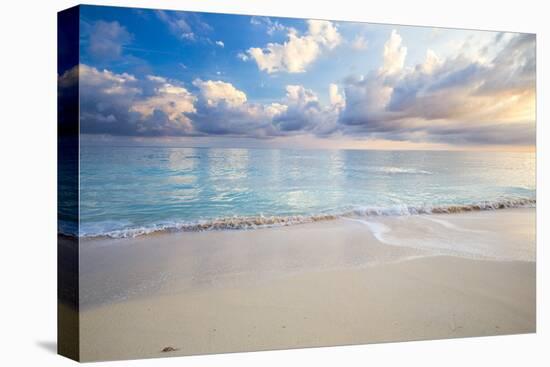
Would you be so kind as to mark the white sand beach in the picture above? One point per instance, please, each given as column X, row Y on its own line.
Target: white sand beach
column 345, row 281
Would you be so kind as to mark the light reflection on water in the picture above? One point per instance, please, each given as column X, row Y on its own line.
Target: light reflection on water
column 126, row 187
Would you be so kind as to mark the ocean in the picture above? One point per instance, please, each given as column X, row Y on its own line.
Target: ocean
column 126, row 191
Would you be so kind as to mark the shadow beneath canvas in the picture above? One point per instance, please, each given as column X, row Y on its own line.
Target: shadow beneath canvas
column 48, row 345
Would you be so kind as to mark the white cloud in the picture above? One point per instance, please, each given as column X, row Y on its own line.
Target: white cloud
column 297, row 94
column 223, row 109
column 394, row 54
column 466, row 98
column 292, row 56
column 366, row 97
column 107, row 82
column 275, row 109
column 174, row 101
column 457, row 99
column 121, row 104
column 431, row 63
column 304, row 113
column 298, row 52
column 336, row 99
column 220, row 43
column 215, row 92
column 324, row 32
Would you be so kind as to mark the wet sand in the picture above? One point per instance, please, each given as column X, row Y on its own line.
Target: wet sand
column 339, row 282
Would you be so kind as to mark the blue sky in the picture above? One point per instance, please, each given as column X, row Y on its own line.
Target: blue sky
column 169, row 76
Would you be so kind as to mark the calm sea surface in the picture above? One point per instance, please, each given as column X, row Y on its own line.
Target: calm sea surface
column 127, row 191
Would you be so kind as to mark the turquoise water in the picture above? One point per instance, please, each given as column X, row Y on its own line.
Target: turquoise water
column 128, row 191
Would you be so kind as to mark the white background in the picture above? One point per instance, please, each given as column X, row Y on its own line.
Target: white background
column 28, row 181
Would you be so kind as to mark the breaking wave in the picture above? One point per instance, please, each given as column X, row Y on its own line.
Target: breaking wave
column 255, row 222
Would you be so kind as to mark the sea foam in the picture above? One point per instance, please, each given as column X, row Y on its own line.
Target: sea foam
column 262, row 221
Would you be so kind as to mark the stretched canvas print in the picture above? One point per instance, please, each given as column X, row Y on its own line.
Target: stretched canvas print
column 241, row 183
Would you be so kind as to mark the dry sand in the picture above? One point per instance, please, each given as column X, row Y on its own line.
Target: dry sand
column 328, row 283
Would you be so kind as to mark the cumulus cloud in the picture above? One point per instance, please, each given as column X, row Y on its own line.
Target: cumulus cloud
column 368, row 96
column 394, row 54
column 223, row 109
column 336, row 98
column 120, row 104
column 104, row 99
column 305, row 113
column 465, row 89
column 459, row 99
column 462, row 98
column 173, row 101
column 303, row 109
column 324, row 32
column 296, row 54
column 216, row 92
column 106, row 40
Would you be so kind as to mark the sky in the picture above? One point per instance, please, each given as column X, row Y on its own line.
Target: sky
column 203, row 79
